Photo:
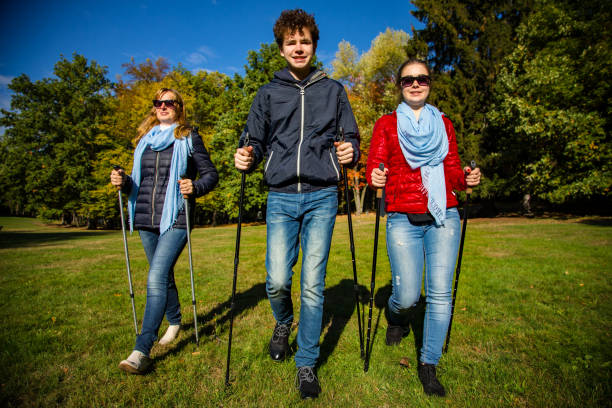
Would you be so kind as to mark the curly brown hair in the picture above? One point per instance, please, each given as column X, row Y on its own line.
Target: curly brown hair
column 292, row 20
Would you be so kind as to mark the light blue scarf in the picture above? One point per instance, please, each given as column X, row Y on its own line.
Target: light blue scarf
column 159, row 140
column 425, row 145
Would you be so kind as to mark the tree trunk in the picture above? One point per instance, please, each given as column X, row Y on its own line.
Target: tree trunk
column 358, row 195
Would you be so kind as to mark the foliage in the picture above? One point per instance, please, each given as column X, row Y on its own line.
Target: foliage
column 525, row 82
column 467, row 41
column 554, row 133
column 48, row 148
column 370, row 79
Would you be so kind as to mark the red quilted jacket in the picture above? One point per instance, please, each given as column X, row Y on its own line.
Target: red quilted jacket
column 403, row 191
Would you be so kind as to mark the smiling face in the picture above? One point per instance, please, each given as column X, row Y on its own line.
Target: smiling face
column 166, row 114
column 298, row 50
column 415, row 94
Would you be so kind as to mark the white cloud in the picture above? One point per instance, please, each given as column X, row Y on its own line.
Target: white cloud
column 195, row 58
column 5, row 93
column 198, row 69
column 5, row 80
column 201, row 55
column 5, row 101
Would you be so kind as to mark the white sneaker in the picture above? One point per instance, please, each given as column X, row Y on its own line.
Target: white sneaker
column 171, row 334
column 136, row 363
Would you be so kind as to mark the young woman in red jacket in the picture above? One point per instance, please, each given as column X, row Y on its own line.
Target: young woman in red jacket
column 418, row 148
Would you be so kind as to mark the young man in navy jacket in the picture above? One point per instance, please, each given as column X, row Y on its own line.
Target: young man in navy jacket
column 293, row 123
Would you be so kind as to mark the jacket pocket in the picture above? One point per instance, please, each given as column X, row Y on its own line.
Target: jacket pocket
column 269, row 160
column 331, row 157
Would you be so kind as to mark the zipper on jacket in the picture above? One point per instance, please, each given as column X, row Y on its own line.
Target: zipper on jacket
column 154, row 188
column 318, row 76
column 301, row 137
column 331, row 156
column 268, row 162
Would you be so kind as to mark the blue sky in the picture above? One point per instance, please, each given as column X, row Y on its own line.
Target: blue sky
column 208, row 34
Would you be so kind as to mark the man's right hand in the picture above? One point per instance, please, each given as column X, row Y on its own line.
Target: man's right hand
column 243, row 158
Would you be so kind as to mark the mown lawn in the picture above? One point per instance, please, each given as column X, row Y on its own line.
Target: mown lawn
column 532, row 326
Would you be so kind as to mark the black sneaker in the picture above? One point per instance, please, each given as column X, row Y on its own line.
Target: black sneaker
column 307, row 382
column 395, row 334
column 427, row 375
column 279, row 343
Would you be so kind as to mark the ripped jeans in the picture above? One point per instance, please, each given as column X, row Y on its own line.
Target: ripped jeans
column 410, row 247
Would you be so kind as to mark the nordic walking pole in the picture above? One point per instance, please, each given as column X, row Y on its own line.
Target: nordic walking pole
column 352, row 241
column 193, row 299
column 379, row 192
column 127, row 255
column 468, row 191
column 236, row 260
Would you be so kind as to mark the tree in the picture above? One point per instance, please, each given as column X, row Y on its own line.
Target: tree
column 552, row 106
column 204, row 103
column 467, row 41
column 370, row 79
column 147, row 71
column 260, row 70
column 48, row 147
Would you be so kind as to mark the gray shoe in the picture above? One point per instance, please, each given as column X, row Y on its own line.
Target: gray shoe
column 136, row 363
column 307, row 382
column 279, row 343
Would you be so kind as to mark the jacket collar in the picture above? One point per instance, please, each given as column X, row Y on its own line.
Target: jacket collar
column 285, row 77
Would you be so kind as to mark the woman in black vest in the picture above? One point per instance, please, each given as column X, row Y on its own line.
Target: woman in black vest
column 167, row 148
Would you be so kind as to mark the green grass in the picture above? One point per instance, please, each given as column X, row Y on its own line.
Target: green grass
column 532, row 326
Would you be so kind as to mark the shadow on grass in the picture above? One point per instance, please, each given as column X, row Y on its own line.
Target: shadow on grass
column 380, row 302
column 338, row 308
column 208, row 323
column 415, row 318
column 33, row 239
column 600, row 222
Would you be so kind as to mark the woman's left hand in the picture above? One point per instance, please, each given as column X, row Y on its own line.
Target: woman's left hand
column 472, row 178
column 344, row 151
column 186, row 186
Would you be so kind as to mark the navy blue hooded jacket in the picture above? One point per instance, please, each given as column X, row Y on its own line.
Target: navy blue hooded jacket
column 294, row 125
column 155, row 172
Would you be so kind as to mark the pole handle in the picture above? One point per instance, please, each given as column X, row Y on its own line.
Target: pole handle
column 472, row 167
column 379, row 191
column 184, row 177
column 116, row 167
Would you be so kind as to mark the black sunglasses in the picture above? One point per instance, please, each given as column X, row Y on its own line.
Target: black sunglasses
column 170, row 103
column 422, row 80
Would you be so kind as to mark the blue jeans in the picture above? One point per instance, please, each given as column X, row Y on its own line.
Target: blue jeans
column 162, row 297
column 308, row 218
column 409, row 248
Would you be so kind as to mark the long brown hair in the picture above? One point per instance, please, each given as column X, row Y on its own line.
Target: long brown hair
column 183, row 128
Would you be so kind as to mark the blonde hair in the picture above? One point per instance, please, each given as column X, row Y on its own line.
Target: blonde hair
column 183, row 129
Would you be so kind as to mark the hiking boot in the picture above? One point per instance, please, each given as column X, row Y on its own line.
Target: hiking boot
column 427, row 375
column 395, row 334
column 136, row 363
column 279, row 343
column 170, row 335
column 307, row 382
